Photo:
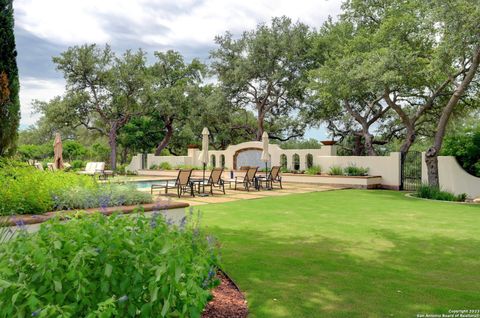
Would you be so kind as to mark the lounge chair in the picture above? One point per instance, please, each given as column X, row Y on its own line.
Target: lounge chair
column 93, row 168
column 215, row 180
column 97, row 168
column 273, row 177
column 246, row 180
column 182, row 183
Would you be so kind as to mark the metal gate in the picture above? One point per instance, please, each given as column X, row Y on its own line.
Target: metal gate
column 412, row 171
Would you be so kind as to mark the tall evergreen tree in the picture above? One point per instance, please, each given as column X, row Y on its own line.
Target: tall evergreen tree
column 9, row 84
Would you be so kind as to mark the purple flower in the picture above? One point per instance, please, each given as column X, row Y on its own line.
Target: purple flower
column 183, row 221
column 21, row 224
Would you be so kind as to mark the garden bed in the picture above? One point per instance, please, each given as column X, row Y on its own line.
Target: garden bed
column 361, row 182
column 40, row 218
column 228, row 301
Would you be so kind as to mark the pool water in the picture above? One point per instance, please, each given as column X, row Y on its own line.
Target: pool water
column 148, row 183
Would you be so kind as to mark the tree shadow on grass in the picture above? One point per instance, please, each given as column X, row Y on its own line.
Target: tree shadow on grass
column 323, row 277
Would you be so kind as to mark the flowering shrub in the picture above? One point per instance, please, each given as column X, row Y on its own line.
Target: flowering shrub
column 103, row 195
column 26, row 190
column 97, row 266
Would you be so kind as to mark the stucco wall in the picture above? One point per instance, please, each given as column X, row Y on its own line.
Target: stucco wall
column 453, row 178
column 274, row 150
column 172, row 160
column 388, row 167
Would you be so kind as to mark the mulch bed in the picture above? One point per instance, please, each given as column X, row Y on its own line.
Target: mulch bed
column 228, row 301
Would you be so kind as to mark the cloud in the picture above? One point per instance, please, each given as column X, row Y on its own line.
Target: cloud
column 46, row 28
column 32, row 88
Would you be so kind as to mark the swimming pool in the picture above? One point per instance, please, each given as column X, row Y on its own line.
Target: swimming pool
column 147, row 184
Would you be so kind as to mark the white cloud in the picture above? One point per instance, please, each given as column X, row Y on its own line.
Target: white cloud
column 153, row 24
column 34, row 88
column 188, row 21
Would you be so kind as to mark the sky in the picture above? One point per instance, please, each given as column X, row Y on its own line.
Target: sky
column 45, row 28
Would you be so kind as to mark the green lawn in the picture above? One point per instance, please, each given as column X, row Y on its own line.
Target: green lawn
column 350, row 253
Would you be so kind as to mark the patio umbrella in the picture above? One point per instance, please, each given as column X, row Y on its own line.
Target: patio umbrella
column 57, row 152
column 204, row 153
column 265, row 155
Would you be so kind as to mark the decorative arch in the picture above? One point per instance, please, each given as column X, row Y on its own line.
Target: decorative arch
column 222, row 161
column 283, row 161
column 309, row 160
column 240, row 151
column 296, row 162
column 213, row 161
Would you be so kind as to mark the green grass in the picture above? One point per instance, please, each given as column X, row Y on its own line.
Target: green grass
column 350, row 253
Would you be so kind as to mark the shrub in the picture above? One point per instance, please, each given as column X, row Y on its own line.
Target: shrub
column 435, row 193
column 104, row 195
column 189, row 167
column 37, row 152
column 336, row 171
column 353, row 170
column 98, row 266
column 78, row 164
column 314, row 170
column 26, row 190
column 165, row 166
column 284, row 170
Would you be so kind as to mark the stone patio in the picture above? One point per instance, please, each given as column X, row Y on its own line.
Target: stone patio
column 235, row 195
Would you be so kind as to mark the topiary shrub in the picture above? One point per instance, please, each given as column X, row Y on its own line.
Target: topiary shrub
column 97, row 266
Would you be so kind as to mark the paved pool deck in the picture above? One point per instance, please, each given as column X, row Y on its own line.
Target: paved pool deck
column 240, row 194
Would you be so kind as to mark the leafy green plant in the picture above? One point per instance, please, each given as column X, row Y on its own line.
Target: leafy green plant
column 78, row 164
column 189, row 167
column 26, row 190
column 314, row 170
column 353, row 170
column 118, row 266
column 104, row 195
column 435, row 193
column 165, row 166
column 335, row 171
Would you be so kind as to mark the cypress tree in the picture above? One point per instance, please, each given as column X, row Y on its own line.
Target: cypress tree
column 9, row 84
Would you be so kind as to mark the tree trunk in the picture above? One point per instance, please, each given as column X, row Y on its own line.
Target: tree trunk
column 358, row 146
column 432, row 153
column 112, row 141
column 407, row 143
column 166, row 139
column 260, row 123
column 369, row 144
column 431, row 160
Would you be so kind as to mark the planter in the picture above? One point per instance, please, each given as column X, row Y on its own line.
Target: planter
column 361, row 182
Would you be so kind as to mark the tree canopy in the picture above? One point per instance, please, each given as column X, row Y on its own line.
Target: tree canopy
column 9, row 84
